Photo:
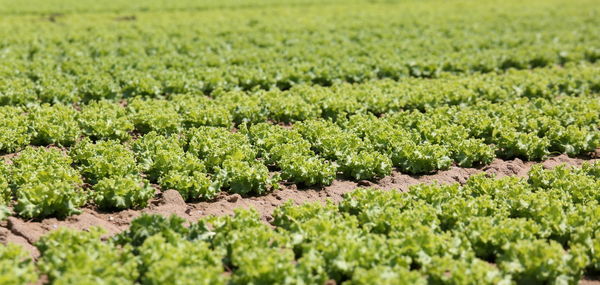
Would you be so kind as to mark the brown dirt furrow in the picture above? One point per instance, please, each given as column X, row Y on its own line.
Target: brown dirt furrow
column 587, row 280
column 170, row 202
column 7, row 236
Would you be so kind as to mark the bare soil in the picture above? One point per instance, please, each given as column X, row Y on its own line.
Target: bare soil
column 25, row 232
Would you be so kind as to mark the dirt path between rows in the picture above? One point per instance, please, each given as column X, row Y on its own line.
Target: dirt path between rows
column 25, row 233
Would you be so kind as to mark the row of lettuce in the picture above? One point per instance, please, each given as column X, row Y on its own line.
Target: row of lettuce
column 314, row 100
column 157, row 54
column 63, row 125
column 251, row 160
column 109, row 169
column 544, row 229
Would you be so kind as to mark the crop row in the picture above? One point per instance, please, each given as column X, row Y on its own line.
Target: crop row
column 63, row 125
column 83, row 57
column 251, row 159
column 540, row 230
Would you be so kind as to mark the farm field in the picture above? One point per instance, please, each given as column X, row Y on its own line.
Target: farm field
column 299, row 142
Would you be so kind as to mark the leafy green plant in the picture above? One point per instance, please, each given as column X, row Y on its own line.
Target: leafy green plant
column 446, row 270
column 539, row 261
column 103, row 159
column 14, row 133
column 164, row 161
column 274, row 143
column 245, row 108
column 216, row 145
column 470, row 152
column 122, row 193
column 355, row 157
column 259, row 254
column 199, row 111
column 98, row 86
column 193, row 185
column 328, row 139
column 45, row 184
column 104, row 120
column 5, row 191
column 179, row 262
column 307, row 170
column 16, row 266
column 293, row 108
column 366, row 165
column 157, row 154
column 135, row 83
column 424, row 158
column 157, row 115
column 171, row 228
column 245, row 178
column 592, row 169
column 55, row 124
column 517, row 144
column 573, row 140
column 72, row 256
column 489, row 236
